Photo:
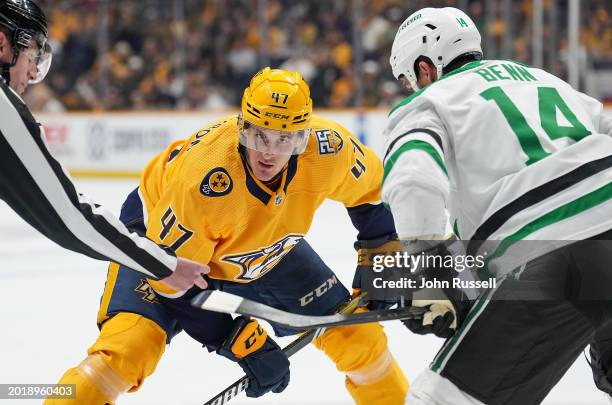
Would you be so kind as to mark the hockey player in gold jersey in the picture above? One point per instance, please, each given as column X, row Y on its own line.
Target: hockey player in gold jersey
column 239, row 195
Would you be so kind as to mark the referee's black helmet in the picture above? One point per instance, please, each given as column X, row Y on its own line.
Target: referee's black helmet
column 24, row 21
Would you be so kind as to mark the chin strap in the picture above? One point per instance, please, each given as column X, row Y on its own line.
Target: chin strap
column 5, row 68
column 414, row 85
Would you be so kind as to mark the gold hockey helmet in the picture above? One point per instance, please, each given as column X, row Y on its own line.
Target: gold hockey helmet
column 276, row 111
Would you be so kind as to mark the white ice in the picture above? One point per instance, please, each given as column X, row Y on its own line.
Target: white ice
column 49, row 299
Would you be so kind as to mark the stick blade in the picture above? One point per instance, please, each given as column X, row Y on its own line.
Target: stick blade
column 217, row 301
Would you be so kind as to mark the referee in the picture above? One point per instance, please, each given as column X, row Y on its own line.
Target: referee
column 37, row 187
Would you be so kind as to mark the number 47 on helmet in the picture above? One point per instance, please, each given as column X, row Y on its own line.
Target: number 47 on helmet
column 276, row 111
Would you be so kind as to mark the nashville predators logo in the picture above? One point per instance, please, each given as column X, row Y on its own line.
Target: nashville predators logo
column 216, row 183
column 257, row 263
column 147, row 292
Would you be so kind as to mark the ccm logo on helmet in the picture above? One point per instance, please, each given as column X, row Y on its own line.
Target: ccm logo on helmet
column 277, row 115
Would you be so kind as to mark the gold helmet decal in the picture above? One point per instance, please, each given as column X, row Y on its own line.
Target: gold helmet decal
column 277, row 99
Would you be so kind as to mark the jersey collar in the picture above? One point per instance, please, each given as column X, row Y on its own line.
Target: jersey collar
column 259, row 190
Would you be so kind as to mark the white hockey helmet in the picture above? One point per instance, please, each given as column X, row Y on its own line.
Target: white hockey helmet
column 440, row 34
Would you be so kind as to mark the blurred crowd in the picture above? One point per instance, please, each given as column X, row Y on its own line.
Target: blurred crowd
column 199, row 54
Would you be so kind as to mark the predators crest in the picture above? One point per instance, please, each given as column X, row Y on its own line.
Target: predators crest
column 256, row 263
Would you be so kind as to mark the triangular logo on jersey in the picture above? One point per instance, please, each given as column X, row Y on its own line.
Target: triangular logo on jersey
column 216, row 183
column 255, row 264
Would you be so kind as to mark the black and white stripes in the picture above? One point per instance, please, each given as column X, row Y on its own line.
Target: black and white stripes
column 38, row 188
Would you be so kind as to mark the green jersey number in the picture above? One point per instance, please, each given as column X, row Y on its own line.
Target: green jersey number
column 549, row 100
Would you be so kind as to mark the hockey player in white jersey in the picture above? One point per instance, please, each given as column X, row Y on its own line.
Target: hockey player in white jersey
column 522, row 162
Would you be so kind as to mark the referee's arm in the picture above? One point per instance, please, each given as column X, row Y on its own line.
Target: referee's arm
column 37, row 187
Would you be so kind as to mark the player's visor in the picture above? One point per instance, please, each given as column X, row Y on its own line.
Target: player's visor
column 272, row 141
column 42, row 59
column 38, row 51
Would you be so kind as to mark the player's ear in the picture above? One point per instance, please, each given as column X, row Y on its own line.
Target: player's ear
column 4, row 45
column 427, row 72
column 423, row 71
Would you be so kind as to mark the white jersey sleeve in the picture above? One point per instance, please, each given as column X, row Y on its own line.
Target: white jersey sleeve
column 416, row 184
column 605, row 124
column 602, row 122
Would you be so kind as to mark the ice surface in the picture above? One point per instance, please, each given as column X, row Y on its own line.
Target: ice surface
column 49, row 300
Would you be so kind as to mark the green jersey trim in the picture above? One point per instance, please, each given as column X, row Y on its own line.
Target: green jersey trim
column 450, row 345
column 411, row 145
column 565, row 211
column 467, row 66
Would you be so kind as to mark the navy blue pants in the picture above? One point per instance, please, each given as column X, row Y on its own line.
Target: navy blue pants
column 301, row 283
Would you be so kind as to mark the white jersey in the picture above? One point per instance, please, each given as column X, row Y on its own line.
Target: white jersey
column 515, row 152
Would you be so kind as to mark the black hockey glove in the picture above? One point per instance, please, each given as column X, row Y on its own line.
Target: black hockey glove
column 263, row 361
column 601, row 360
column 367, row 250
column 448, row 306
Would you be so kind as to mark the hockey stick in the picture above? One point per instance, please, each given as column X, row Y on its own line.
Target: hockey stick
column 241, row 385
column 220, row 301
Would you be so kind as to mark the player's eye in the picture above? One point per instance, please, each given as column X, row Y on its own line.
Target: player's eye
column 262, row 137
column 33, row 57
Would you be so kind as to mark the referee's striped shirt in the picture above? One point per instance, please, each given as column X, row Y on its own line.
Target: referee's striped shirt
column 38, row 188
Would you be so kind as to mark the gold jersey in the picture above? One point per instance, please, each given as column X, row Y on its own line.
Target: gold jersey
column 202, row 200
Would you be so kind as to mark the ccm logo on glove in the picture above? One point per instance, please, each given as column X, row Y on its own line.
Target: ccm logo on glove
column 250, row 339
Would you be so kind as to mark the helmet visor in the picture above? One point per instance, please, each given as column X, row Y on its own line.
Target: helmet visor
column 272, row 141
column 42, row 59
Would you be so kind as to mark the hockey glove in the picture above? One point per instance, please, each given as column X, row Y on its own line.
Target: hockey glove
column 367, row 250
column 448, row 306
column 262, row 360
column 601, row 360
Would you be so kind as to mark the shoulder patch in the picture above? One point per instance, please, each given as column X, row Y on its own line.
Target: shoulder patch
column 330, row 142
column 217, row 183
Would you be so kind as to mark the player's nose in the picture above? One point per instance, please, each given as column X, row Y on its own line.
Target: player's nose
column 32, row 72
column 268, row 157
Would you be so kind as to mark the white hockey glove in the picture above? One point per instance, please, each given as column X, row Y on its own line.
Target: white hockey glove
column 448, row 306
